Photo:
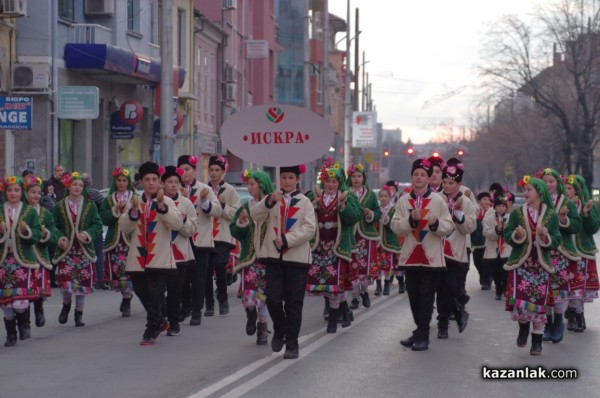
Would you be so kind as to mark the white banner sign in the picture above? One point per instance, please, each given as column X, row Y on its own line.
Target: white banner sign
column 364, row 129
column 257, row 49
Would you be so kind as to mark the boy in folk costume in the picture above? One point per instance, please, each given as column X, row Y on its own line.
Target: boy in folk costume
column 33, row 194
column 207, row 208
column 20, row 230
column 422, row 217
column 563, row 258
column 584, row 284
column 464, row 217
column 331, row 270
column 224, row 242
column 116, row 243
column 478, row 242
column 389, row 244
column 286, row 252
column 150, row 260
column 77, row 220
column 533, row 233
column 496, row 250
column 181, row 245
column 366, row 234
column 251, row 236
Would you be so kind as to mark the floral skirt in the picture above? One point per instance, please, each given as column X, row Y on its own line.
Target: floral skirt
column 43, row 277
column 385, row 265
column 527, row 291
column 75, row 272
column 577, row 277
column 328, row 273
column 17, row 282
column 559, row 280
column 252, row 286
column 591, row 281
column 114, row 267
column 364, row 258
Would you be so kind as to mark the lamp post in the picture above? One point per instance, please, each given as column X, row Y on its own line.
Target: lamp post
column 347, row 98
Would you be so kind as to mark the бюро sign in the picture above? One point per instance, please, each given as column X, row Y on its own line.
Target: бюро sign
column 15, row 112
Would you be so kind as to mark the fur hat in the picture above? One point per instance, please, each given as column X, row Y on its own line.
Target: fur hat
column 300, row 169
column 424, row 164
column 218, row 160
column 482, row 195
column 187, row 159
column 453, row 171
column 437, row 161
column 171, row 171
column 148, row 168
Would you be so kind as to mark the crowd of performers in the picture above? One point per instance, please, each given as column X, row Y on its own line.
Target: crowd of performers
column 170, row 243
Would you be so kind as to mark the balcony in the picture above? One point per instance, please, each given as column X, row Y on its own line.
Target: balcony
column 90, row 34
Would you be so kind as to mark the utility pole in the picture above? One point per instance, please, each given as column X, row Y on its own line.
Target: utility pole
column 167, row 155
column 347, row 98
column 356, row 62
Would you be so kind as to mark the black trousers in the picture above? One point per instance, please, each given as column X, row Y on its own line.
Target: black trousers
column 448, row 292
column 485, row 274
column 499, row 273
column 421, row 285
column 285, row 287
column 217, row 264
column 150, row 287
column 173, row 300
column 194, row 285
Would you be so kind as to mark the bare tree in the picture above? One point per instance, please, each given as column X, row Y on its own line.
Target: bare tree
column 565, row 93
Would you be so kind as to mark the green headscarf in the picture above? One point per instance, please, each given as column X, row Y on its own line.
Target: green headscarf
column 264, row 182
column 581, row 188
column 120, row 171
column 333, row 170
column 542, row 190
column 560, row 187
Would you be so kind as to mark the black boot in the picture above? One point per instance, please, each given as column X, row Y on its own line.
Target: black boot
column 64, row 313
column 184, row 313
column 523, row 334
column 354, row 304
column 558, row 327
column 251, row 317
column 38, row 310
column 378, row 287
column 78, row 316
column 582, row 321
column 23, row 325
column 401, row 285
column 125, row 307
column 442, row 332
column 536, row 344
column 547, row 328
column 386, row 287
column 11, row 332
column 346, row 314
column 326, row 310
column 262, row 333
column 366, row 301
column 332, row 323
column 579, row 323
column 571, row 322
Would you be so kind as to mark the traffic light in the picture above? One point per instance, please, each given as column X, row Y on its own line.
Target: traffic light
column 435, row 154
column 460, row 153
column 386, row 153
column 410, row 151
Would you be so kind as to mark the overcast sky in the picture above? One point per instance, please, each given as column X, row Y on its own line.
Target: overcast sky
column 420, row 51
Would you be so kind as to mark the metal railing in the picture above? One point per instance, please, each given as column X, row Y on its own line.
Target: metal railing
column 90, row 34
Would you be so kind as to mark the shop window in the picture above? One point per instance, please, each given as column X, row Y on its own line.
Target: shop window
column 66, row 9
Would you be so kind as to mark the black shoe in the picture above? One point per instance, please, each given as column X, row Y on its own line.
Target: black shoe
column 366, row 301
column 523, row 334
column 173, row 330
column 11, row 332
column 579, row 323
column 332, row 324
column 420, row 345
column 262, row 333
column 291, row 353
column 125, row 307
column 354, row 304
column 498, row 296
column 326, row 310
column 583, row 326
column 38, row 310
column 184, row 312
column 536, row 344
column 229, row 279
column 277, row 344
column 386, row 287
column 78, row 316
column 486, row 287
column 196, row 319
column 409, row 342
column 346, row 314
column 464, row 320
column 547, row 328
column 378, row 287
column 401, row 285
column 23, row 325
column 571, row 320
column 210, row 311
column 163, row 326
column 442, row 332
column 64, row 314
column 451, row 317
column 224, row 308
column 251, row 317
column 558, row 328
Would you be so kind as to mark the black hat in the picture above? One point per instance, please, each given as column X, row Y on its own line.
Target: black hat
column 219, row 161
column 436, row 161
column 393, row 184
column 187, row 159
column 496, row 187
column 424, row 164
column 453, row 162
column 510, row 197
column 300, row 169
column 500, row 200
column 148, row 168
column 482, row 195
column 171, row 171
column 453, row 171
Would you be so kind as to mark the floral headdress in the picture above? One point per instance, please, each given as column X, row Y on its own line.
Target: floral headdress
column 332, row 169
column 10, row 180
column 31, row 181
column 560, row 180
column 540, row 187
column 120, row 171
column 356, row 168
column 524, row 180
column 68, row 178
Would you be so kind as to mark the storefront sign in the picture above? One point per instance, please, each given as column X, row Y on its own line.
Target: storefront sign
column 131, row 112
column 119, row 130
column 15, row 112
column 364, row 133
column 256, row 49
column 78, row 102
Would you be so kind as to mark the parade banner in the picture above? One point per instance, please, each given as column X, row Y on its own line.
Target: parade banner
column 277, row 135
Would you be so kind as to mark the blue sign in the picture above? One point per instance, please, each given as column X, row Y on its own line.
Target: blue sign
column 119, row 130
column 15, row 112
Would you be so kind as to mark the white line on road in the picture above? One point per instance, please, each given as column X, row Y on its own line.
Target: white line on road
column 280, row 367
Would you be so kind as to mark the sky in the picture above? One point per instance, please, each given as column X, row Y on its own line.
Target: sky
column 421, row 57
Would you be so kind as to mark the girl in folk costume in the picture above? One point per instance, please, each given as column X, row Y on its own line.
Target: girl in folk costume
column 564, row 257
column 496, row 250
column 250, row 235
column 207, row 207
column 180, row 244
column 78, row 224
column 116, row 243
column 533, row 233
column 584, row 283
column 19, row 232
column 331, row 270
column 389, row 244
column 366, row 234
column 478, row 242
column 33, row 194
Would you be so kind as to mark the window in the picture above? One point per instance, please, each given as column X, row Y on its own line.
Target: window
column 65, row 9
column 133, row 15
column 181, row 37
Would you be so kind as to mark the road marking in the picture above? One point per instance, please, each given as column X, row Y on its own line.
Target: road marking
column 284, row 364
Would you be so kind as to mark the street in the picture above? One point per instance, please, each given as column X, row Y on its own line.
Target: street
column 217, row 359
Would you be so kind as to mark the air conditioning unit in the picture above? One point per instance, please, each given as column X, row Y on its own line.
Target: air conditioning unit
column 14, row 8
column 229, row 92
column 30, row 76
column 229, row 4
column 99, row 7
column 229, row 74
